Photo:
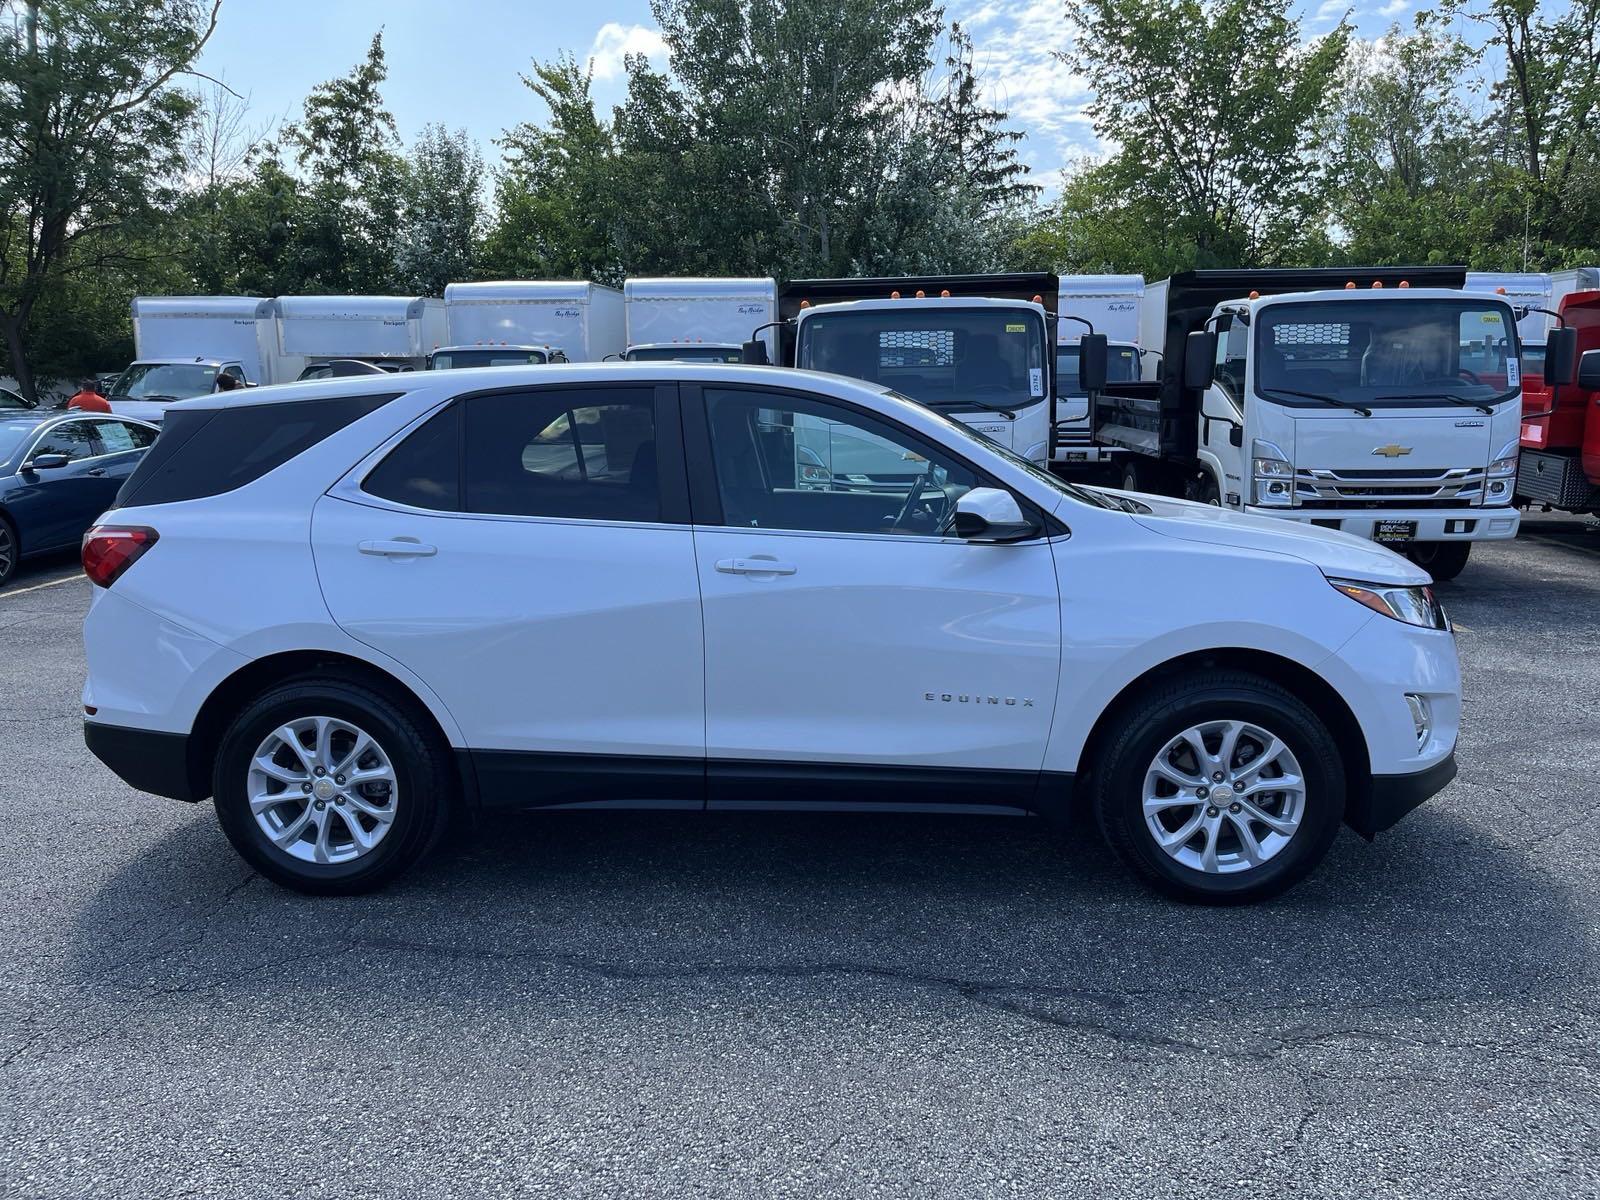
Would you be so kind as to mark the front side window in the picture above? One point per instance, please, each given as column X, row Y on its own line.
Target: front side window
column 784, row 462
column 951, row 358
column 1387, row 353
column 587, row 453
column 75, row 439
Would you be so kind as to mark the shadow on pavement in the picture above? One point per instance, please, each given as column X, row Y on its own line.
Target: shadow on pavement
column 1000, row 910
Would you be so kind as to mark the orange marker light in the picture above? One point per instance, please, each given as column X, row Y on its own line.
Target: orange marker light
column 1255, row 295
column 1499, row 291
column 1377, row 283
column 944, row 293
column 1405, row 283
column 805, row 304
column 894, row 295
column 1038, row 299
column 1351, row 286
column 921, row 295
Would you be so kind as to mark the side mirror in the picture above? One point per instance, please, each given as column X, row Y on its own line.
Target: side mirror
column 754, row 353
column 991, row 515
column 1561, row 356
column 1199, row 359
column 1589, row 371
column 1094, row 351
column 1235, row 435
column 46, row 462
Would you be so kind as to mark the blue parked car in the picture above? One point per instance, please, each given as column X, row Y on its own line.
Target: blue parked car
column 58, row 472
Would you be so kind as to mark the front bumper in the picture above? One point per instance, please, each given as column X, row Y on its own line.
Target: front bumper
column 145, row 759
column 1372, row 810
column 1433, row 524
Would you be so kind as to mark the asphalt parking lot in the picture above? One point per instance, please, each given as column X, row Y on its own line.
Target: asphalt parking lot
column 742, row 1005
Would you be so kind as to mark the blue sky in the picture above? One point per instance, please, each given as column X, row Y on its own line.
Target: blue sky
column 460, row 64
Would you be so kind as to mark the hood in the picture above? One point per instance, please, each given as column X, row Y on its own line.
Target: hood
column 143, row 410
column 1444, row 439
column 1338, row 555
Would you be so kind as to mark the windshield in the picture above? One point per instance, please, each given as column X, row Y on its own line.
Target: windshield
column 712, row 354
column 12, row 401
column 958, row 358
column 12, row 434
column 1122, row 366
column 165, row 381
column 1387, row 353
column 488, row 356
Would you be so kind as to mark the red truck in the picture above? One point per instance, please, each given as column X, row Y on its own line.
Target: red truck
column 1559, row 466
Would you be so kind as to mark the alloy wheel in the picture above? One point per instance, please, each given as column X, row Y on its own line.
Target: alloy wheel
column 1224, row 796
column 322, row 790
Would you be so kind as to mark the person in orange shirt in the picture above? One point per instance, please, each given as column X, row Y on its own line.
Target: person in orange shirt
column 88, row 398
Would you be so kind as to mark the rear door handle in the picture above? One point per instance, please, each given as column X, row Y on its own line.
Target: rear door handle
column 755, row 566
column 398, row 548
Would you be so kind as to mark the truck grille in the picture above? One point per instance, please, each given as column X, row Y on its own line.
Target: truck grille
column 1366, row 488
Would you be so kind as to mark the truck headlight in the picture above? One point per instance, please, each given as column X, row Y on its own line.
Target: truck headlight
column 1272, row 472
column 1502, row 471
column 1413, row 605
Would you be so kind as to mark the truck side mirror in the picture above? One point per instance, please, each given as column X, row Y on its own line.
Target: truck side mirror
column 754, row 353
column 1589, row 371
column 1561, row 356
column 1199, row 359
column 1094, row 351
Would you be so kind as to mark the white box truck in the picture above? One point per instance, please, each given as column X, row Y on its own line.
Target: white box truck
column 1105, row 304
column 1523, row 289
column 389, row 332
column 1384, row 402
column 570, row 319
column 698, row 320
column 184, row 345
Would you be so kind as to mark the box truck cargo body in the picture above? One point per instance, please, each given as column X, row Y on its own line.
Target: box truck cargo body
column 392, row 330
column 580, row 320
column 1522, row 289
column 698, row 319
column 221, row 329
column 1111, row 305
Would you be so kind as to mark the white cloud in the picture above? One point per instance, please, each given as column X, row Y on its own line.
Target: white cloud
column 1015, row 56
column 616, row 41
column 1330, row 10
column 1394, row 8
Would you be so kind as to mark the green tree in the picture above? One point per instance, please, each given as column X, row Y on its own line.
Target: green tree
column 1212, row 105
column 91, row 129
column 974, row 134
column 443, row 218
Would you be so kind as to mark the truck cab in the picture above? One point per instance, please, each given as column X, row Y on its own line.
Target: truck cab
column 976, row 348
column 484, row 354
column 1390, row 411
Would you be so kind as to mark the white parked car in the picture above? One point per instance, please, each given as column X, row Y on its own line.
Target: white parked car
column 350, row 609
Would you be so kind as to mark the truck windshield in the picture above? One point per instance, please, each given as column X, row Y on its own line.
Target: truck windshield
column 711, row 354
column 165, row 381
column 1122, row 366
column 1399, row 353
column 486, row 356
column 984, row 359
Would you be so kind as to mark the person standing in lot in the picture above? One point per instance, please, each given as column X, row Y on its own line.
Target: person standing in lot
column 88, row 398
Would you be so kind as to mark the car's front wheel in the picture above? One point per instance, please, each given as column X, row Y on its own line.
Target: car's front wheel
column 1223, row 788
column 330, row 786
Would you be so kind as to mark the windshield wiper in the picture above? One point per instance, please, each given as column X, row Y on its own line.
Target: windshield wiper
column 967, row 406
column 1485, row 409
column 1334, row 400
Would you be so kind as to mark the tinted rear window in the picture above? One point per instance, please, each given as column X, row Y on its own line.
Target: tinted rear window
column 205, row 452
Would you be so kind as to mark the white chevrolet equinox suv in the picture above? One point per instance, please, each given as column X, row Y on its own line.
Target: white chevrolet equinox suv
column 349, row 610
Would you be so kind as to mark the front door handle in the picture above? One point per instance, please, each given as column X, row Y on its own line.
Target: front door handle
column 95, row 471
column 398, row 548
column 755, row 566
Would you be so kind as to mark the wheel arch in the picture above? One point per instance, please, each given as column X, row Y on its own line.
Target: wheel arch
column 1322, row 697
column 229, row 697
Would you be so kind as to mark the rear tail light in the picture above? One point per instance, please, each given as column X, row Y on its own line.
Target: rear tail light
column 109, row 550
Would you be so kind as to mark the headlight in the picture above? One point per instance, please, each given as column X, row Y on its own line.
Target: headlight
column 1273, row 474
column 1413, row 605
column 1502, row 467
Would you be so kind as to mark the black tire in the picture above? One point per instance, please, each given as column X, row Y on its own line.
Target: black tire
column 1206, row 490
column 10, row 550
column 1157, row 718
column 1135, row 476
column 426, row 783
column 1443, row 560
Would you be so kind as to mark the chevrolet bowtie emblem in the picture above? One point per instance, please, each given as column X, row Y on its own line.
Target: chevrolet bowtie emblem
column 1392, row 451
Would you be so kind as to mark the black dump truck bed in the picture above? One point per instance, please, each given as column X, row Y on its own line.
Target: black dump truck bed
column 1160, row 416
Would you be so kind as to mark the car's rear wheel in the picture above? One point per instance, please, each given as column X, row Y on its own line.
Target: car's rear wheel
column 331, row 786
column 1224, row 788
column 10, row 551
column 1443, row 560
